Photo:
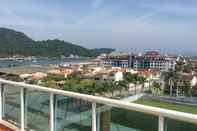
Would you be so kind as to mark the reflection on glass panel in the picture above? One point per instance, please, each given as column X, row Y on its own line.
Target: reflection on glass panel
column 174, row 125
column 37, row 110
column 12, row 106
column 72, row 114
column 115, row 119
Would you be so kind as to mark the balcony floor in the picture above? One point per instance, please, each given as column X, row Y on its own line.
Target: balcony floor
column 4, row 128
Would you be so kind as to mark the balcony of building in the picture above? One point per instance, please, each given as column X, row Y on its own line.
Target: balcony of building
column 33, row 108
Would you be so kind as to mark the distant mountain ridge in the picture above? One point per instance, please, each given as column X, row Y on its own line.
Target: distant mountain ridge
column 17, row 43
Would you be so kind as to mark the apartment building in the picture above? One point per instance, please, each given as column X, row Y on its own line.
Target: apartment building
column 118, row 59
column 149, row 60
column 154, row 60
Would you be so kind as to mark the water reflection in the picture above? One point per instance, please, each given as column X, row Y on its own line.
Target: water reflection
column 72, row 114
column 11, row 104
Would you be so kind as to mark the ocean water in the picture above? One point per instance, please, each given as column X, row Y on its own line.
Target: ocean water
column 14, row 63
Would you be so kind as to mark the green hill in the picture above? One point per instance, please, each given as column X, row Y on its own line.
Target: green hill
column 17, row 43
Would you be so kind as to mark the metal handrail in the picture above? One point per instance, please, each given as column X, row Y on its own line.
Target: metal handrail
column 111, row 102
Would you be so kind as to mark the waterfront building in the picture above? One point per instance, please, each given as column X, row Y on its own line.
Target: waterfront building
column 154, row 60
column 118, row 59
column 149, row 60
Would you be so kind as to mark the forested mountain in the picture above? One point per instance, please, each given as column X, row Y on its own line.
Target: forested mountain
column 17, row 43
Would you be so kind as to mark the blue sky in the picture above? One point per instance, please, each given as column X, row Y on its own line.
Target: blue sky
column 128, row 25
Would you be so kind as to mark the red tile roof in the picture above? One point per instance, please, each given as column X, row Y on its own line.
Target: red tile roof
column 151, row 54
column 188, row 77
column 144, row 73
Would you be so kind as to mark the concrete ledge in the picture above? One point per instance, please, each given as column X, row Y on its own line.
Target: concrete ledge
column 7, row 124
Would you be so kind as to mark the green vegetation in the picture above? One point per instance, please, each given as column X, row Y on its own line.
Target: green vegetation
column 99, row 51
column 174, row 79
column 171, row 78
column 179, row 80
column 133, row 78
column 156, row 89
column 76, row 83
column 16, row 43
column 50, row 80
column 167, row 105
column 184, row 67
column 54, row 77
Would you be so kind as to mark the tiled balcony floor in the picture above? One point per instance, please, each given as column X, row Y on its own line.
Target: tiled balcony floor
column 4, row 128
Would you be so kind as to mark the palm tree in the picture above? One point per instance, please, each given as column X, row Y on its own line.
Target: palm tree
column 141, row 81
column 156, row 88
column 124, row 85
column 187, row 88
column 112, row 87
column 178, row 83
column 170, row 78
column 134, row 79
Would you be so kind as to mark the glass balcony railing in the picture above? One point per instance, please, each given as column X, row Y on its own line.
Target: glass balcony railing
column 11, row 104
column 175, row 125
column 35, row 108
column 72, row 114
column 117, row 119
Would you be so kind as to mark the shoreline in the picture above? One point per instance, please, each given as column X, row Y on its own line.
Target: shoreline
column 40, row 58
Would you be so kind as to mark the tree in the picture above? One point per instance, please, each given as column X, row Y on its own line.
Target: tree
column 187, row 88
column 156, row 88
column 17, row 43
column 170, row 79
column 75, row 75
column 141, row 81
column 124, row 85
column 179, row 80
column 179, row 66
column 131, row 78
column 135, row 79
column 53, row 77
column 112, row 88
column 49, row 83
column 188, row 68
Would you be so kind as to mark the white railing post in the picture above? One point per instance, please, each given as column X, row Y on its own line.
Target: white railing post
column 52, row 112
column 98, row 119
column 22, row 109
column 94, row 116
column 1, row 102
column 161, row 123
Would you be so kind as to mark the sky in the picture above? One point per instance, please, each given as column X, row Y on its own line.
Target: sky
column 126, row 25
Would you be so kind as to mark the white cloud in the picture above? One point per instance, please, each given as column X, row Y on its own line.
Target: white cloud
column 97, row 3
